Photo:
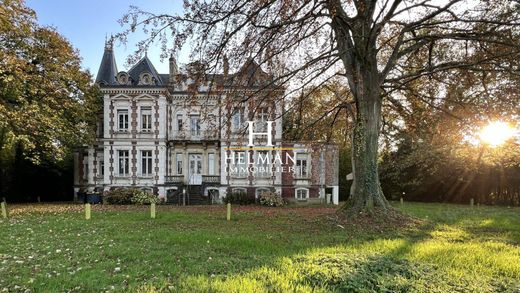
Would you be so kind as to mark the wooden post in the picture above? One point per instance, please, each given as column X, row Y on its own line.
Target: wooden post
column 402, row 201
column 229, row 211
column 4, row 210
column 471, row 202
column 87, row 211
column 152, row 210
column 39, row 199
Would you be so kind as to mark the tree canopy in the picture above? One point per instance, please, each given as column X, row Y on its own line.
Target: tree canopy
column 46, row 100
column 48, row 105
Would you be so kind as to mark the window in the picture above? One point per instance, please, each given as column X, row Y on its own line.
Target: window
column 237, row 118
column 146, row 119
column 179, row 122
column 211, row 164
column 260, row 191
column 101, row 170
column 240, row 164
column 302, row 193
column 85, row 167
column 178, row 162
column 195, row 125
column 122, row 117
column 239, row 191
column 146, row 162
column 263, row 164
column 124, row 162
column 262, row 116
column 300, row 171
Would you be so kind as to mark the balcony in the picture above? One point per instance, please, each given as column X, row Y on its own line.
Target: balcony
column 174, row 179
column 211, row 178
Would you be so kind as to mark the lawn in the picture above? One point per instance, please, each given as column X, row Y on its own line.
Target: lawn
column 446, row 248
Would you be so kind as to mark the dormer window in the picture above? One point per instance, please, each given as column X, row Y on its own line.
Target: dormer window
column 145, row 79
column 123, row 78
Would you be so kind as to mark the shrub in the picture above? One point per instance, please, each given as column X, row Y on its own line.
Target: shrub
column 239, row 198
column 143, row 197
column 129, row 196
column 271, row 199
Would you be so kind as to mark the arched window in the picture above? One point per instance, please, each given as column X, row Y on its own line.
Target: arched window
column 301, row 193
column 239, row 190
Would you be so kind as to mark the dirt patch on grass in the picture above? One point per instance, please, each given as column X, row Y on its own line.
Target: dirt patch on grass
column 379, row 221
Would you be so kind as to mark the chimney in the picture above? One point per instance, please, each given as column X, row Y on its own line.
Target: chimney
column 174, row 71
column 225, row 64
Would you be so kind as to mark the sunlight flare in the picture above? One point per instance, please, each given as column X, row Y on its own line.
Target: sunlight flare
column 496, row 133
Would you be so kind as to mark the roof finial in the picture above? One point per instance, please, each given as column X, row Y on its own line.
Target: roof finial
column 109, row 42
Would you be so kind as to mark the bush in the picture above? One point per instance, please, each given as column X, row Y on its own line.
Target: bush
column 271, row 199
column 143, row 197
column 239, row 198
column 129, row 196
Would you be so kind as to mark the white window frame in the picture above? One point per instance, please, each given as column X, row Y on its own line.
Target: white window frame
column 262, row 116
column 267, row 165
column 211, row 164
column 122, row 115
column 126, row 166
column 146, row 123
column 237, row 118
column 146, row 162
column 306, row 190
column 240, row 166
column 179, row 167
column 180, row 122
column 299, row 171
column 101, row 167
column 195, row 128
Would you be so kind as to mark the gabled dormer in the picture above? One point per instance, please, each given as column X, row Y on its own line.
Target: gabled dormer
column 143, row 73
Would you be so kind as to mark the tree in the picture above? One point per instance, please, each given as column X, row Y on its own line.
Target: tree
column 45, row 97
column 372, row 46
column 47, row 103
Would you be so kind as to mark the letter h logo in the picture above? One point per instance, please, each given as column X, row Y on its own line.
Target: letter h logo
column 268, row 133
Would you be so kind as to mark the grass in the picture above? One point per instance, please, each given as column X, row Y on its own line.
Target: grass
column 47, row 248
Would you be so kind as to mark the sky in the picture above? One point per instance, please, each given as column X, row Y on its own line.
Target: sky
column 86, row 23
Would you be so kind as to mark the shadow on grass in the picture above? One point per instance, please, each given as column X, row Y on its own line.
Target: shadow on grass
column 262, row 249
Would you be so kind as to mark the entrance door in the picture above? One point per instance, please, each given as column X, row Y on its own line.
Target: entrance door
column 195, row 169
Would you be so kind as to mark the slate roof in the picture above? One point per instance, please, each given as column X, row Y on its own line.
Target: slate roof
column 108, row 69
column 145, row 65
column 249, row 75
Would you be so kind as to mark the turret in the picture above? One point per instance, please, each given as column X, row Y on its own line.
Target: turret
column 108, row 68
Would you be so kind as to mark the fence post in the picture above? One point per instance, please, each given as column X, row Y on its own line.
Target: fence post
column 402, row 201
column 152, row 210
column 87, row 211
column 229, row 211
column 471, row 202
column 4, row 210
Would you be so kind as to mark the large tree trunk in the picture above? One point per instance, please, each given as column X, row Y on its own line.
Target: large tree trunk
column 366, row 192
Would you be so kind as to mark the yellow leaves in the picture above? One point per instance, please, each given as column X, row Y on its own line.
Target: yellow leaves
column 42, row 88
